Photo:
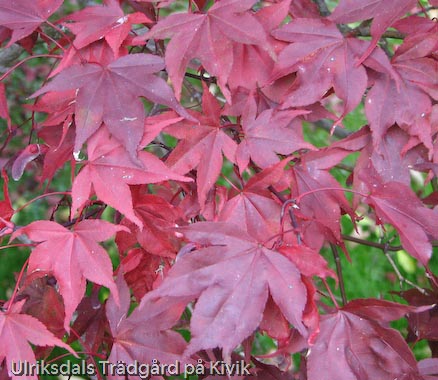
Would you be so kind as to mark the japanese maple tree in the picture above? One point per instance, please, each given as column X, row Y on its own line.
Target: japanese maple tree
column 188, row 181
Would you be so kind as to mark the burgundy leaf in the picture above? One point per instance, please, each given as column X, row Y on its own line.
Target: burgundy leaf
column 72, row 257
column 93, row 23
column 111, row 93
column 19, row 329
column 396, row 204
column 231, row 276
column 227, row 20
column 383, row 12
column 108, row 161
column 24, row 17
column 350, row 347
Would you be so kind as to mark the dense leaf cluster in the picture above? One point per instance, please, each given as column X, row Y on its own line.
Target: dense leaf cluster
column 187, row 123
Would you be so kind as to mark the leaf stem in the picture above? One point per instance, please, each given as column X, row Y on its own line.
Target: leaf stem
column 28, row 59
column 330, row 293
column 372, row 244
column 292, row 217
column 339, row 273
column 42, row 196
column 297, row 200
column 17, row 285
column 17, row 245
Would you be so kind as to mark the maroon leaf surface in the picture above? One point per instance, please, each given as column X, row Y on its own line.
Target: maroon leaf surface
column 396, row 204
column 231, row 274
column 24, row 17
column 111, row 94
column 383, row 12
column 18, row 330
column 350, row 347
column 142, row 336
column 72, row 256
column 109, row 161
column 190, row 34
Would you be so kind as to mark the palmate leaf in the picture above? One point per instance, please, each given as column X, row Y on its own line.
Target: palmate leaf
column 208, row 37
column 72, row 256
column 107, row 163
column 109, row 22
column 16, row 330
column 110, row 94
column 143, row 336
column 396, row 204
column 408, row 100
column 24, row 17
column 322, row 58
column 383, row 12
column 354, row 345
column 231, row 274
column 202, row 146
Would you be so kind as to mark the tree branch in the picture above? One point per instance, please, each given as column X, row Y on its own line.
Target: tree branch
column 327, row 125
column 322, row 7
column 372, row 243
column 364, row 31
column 8, row 56
column 339, row 272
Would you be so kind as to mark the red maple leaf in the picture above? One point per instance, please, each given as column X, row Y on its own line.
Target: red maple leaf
column 158, row 218
column 253, row 64
column 268, row 134
column 322, row 207
column 16, row 330
column 383, row 12
column 144, row 335
column 254, row 208
column 232, row 275
column 201, row 146
column 110, row 94
column 352, row 345
column 406, row 101
column 97, row 22
column 24, row 17
column 72, row 256
column 143, row 271
column 108, row 162
column 319, row 54
column 398, row 205
column 192, row 37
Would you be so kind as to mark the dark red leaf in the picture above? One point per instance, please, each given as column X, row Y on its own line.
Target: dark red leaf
column 17, row 330
column 227, row 21
column 24, row 17
column 110, row 94
column 142, row 336
column 231, row 275
column 202, row 146
column 383, row 12
column 109, row 161
column 72, row 257
column 397, row 205
column 350, row 347
column 97, row 22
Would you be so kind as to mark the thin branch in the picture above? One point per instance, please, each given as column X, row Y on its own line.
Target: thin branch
column 8, row 56
column 339, row 272
column 327, row 125
column 292, row 217
column 364, row 31
column 372, row 243
column 401, row 278
column 208, row 80
column 322, row 7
